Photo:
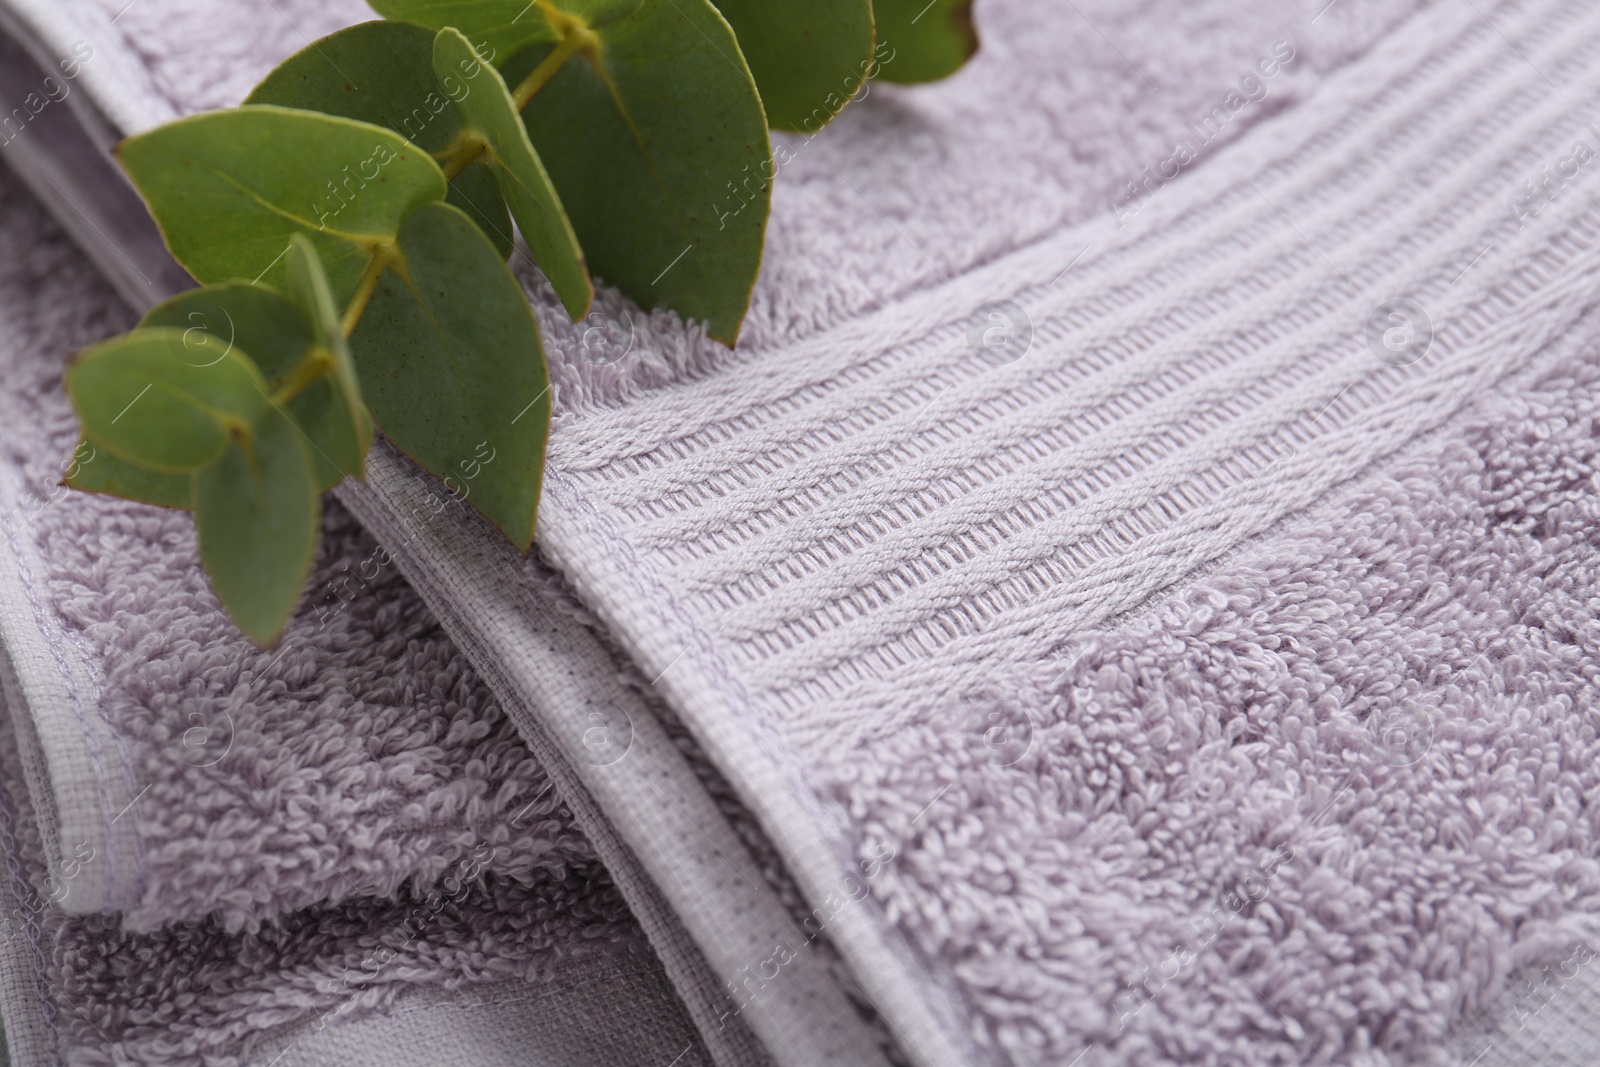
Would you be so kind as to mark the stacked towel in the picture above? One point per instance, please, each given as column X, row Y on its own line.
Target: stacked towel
column 1130, row 598
column 222, row 854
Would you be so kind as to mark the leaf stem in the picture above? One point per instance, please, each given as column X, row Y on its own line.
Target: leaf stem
column 468, row 147
column 317, row 364
column 364, row 289
column 575, row 38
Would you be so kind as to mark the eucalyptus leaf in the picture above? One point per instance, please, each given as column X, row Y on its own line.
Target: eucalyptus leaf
column 277, row 337
column 102, row 472
column 476, row 192
column 308, row 288
column 256, row 512
column 165, row 399
column 248, row 318
column 533, row 200
column 808, row 59
column 382, row 73
column 451, row 365
column 229, row 188
column 656, row 141
column 923, row 41
column 501, row 28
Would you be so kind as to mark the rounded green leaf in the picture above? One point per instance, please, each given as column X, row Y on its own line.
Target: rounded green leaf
column 476, row 192
column 263, row 324
column 101, row 472
column 229, row 188
column 382, row 73
column 277, row 336
column 165, row 399
column 595, row 13
column 308, row 288
column 656, row 141
column 493, row 117
column 923, row 41
column 256, row 512
column 451, row 365
column 499, row 28
column 808, row 59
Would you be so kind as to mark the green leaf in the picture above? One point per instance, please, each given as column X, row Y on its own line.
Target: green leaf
column 476, row 192
column 256, row 511
column 921, row 41
column 101, row 472
column 808, row 59
column 451, row 365
column 656, row 141
column 229, row 188
column 382, row 73
column 500, row 28
column 258, row 322
column 308, row 288
column 165, row 399
column 523, row 181
column 276, row 335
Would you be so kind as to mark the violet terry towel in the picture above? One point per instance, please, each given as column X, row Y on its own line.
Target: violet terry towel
column 1131, row 598
column 338, row 851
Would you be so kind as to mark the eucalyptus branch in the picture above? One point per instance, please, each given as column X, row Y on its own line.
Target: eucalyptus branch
column 397, row 145
column 381, row 257
column 317, row 364
column 575, row 38
column 462, row 153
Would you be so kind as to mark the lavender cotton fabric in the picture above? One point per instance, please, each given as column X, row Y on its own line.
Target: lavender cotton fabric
column 1129, row 599
column 339, row 851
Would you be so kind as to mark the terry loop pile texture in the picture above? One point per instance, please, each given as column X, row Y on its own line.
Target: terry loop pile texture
column 196, row 59
column 1322, row 802
column 827, row 545
column 79, row 991
column 439, row 935
column 362, row 755
column 814, row 551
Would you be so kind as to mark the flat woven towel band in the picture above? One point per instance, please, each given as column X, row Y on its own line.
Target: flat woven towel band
column 806, row 551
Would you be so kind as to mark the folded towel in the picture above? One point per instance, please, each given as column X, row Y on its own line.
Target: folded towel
column 191, row 773
column 470, row 973
column 341, row 852
column 834, row 557
column 1079, row 572
column 264, row 824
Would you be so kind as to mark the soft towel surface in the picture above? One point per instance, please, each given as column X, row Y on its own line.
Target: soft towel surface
column 924, row 609
column 346, row 866
column 1323, row 801
column 80, row 991
column 834, row 540
column 362, row 755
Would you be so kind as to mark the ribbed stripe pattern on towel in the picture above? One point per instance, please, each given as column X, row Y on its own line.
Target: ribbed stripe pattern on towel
column 879, row 501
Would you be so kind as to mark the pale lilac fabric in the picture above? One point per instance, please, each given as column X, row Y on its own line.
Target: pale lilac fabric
column 1318, row 807
column 1323, row 794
